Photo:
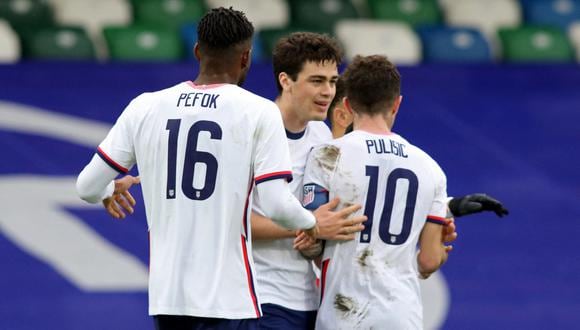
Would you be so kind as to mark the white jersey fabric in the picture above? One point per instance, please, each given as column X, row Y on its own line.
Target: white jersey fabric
column 198, row 214
column 285, row 278
column 372, row 281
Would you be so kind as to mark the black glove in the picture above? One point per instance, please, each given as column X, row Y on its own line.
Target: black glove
column 475, row 203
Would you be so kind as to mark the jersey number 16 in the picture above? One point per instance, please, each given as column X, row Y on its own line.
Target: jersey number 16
column 192, row 157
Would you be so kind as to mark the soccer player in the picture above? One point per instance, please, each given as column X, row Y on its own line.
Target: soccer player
column 200, row 146
column 372, row 282
column 305, row 68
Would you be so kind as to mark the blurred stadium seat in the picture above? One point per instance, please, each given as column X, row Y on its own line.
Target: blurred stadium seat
column 535, row 44
column 168, row 13
column 574, row 33
column 414, row 12
column 452, row 31
column 26, row 13
column 396, row 40
column 320, row 14
column 264, row 14
column 488, row 16
column 269, row 37
column 560, row 13
column 9, row 44
column 93, row 16
column 58, row 43
column 454, row 45
column 141, row 43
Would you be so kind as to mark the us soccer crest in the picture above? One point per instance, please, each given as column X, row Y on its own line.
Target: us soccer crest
column 308, row 194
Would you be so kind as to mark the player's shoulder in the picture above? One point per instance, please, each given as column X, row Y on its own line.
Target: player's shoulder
column 244, row 96
column 318, row 132
column 326, row 147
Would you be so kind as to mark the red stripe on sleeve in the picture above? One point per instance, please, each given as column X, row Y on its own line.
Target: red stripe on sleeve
column 437, row 220
column 274, row 175
column 111, row 162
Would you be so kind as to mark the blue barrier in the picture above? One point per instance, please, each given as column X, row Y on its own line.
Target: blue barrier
column 510, row 131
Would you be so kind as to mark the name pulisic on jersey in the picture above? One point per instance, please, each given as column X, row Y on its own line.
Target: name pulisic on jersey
column 380, row 146
column 203, row 100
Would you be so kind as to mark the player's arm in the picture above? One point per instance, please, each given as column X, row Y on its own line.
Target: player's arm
column 95, row 184
column 264, row 228
column 436, row 232
column 432, row 252
column 114, row 156
column 281, row 206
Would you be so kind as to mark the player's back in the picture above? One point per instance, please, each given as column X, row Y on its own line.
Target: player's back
column 198, row 149
column 371, row 282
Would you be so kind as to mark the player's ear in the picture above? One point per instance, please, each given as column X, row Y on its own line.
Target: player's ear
column 196, row 51
column 284, row 80
column 346, row 104
column 345, row 116
column 246, row 58
column 397, row 104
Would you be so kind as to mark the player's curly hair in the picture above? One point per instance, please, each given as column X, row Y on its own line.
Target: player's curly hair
column 222, row 28
column 372, row 83
column 293, row 51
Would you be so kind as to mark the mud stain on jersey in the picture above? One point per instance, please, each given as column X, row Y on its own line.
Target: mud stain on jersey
column 327, row 157
column 362, row 258
column 349, row 309
column 344, row 304
column 346, row 204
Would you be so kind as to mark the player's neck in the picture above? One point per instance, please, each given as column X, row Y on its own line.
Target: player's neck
column 214, row 79
column 210, row 76
column 292, row 122
column 376, row 124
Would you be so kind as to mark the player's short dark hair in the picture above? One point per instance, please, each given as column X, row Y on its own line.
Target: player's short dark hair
column 222, row 28
column 293, row 51
column 372, row 83
column 340, row 93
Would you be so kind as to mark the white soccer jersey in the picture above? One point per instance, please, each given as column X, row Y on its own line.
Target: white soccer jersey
column 199, row 150
column 285, row 278
column 371, row 282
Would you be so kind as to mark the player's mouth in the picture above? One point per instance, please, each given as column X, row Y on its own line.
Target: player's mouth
column 323, row 106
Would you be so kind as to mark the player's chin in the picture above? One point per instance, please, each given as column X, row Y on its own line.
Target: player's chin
column 318, row 115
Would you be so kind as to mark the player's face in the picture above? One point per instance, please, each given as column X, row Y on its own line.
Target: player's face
column 313, row 90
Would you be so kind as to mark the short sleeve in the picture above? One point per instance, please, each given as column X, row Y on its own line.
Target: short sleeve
column 117, row 149
column 272, row 155
column 319, row 166
column 438, row 210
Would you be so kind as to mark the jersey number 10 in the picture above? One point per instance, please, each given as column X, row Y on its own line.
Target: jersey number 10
column 192, row 157
column 386, row 215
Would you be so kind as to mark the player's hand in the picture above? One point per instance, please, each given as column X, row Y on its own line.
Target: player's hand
column 450, row 231
column 122, row 198
column 308, row 247
column 476, row 203
column 337, row 225
column 312, row 232
column 303, row 241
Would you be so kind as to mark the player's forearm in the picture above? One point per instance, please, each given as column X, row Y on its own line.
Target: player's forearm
column 95, row 182
column 265, row 229
column 282, row 207
column 432, row 254
column 429, row 263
